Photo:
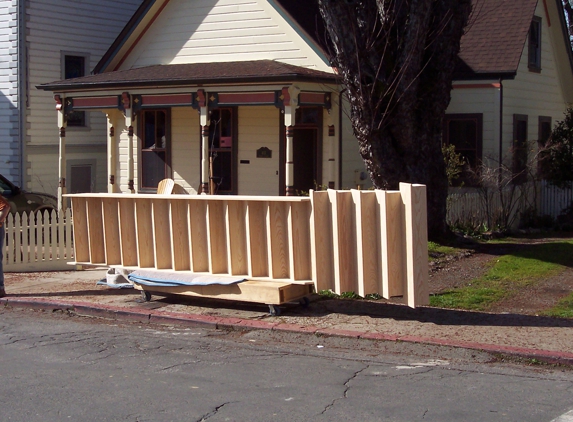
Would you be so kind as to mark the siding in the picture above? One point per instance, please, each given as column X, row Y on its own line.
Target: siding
column 258, row 127
column 486, row 102
column 221, row 31
column 9, row 114
column 186, row 147
column 85, row 27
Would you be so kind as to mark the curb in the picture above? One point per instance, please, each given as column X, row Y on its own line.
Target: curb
column 238, row 324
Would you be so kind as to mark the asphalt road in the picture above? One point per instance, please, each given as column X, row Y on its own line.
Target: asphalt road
column 55, row 367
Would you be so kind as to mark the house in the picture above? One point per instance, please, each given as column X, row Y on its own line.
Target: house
column 44, row 40
column 236, row 97
column 513, row 83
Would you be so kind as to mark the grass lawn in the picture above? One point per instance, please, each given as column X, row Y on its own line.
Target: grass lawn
column 509, row 273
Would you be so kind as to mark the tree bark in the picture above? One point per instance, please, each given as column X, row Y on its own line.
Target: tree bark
column 396, row 60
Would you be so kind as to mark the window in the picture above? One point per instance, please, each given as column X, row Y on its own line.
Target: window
column 155, row 143
column 465, row 132
column 534, row 56
column 75, row 67
column 519, row 167
column 222, row 147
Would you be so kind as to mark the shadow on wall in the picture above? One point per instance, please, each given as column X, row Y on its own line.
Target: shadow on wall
column 9, row 140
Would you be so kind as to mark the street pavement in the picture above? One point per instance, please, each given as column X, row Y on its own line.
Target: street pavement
column 533, row 338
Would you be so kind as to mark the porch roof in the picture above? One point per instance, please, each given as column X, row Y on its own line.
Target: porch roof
column 257, row 71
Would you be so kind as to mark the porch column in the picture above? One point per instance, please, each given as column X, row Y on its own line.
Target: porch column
column 205, row 122
column 62, row 123
column 331, row 150
column 111, row 152
column 126, row 100
column 290, row 95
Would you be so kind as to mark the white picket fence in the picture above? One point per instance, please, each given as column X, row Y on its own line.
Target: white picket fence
column 38, row 242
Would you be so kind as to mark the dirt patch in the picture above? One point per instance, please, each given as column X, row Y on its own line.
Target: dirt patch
column 461, row 269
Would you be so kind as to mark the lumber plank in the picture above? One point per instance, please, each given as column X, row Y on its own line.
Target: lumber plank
column 80, row 228
column 237, row 238
column 277, row 226
column 414, row 197
column 180, row 239
column 217, row 237
column 267, row 292
column 128, row 232
column 111, row 231
column 162, row 233
column 144, row 227
column 257, row 239
column 95, row 231
column 199, row 236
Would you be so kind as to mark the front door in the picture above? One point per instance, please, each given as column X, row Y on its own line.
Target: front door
column 307, row 151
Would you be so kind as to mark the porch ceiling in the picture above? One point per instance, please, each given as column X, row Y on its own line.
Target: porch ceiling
column 258, row 71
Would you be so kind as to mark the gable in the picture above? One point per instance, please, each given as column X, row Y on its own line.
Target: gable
column 206, row 31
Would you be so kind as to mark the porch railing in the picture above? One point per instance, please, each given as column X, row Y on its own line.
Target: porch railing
column 38, row 242
column 362, row 241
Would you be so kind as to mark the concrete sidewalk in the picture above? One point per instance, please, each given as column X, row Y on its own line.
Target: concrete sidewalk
column 541, row 338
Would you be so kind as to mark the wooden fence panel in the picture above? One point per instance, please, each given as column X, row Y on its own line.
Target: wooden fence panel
column 38, row 242
column 347, row 241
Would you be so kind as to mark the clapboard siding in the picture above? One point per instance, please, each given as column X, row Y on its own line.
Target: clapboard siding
column 9, row 102
column 84, row 28
column 186, row 147
column 219, row 31
column 484, row 101
column 258, row 127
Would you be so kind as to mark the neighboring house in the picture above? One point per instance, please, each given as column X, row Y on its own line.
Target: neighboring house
column 238, row 97
column 514, row 82
column 40, row 41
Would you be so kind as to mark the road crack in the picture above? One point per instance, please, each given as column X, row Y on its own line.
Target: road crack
column 346, row 389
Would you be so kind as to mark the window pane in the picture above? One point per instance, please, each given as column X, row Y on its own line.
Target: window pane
column 307, row 115
column 463, row 134
column 152, row 168
column 149, row 136
column 74, row 66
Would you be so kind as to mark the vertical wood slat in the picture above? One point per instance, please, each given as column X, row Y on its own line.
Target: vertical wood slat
column 144, row 228
column 162, row 234
column 59, row 218
column 414, row 197
column 180, row 235
column 299, row 238
column 277, row 226
column 346, row 236
column 257, row 239
column 200, row 261
column 111, row 231
column 52, row 239
column 237, row 238
column 369, row 269
column 80, row 222
column 128, row 232
column 392, row 246
column 216, row 213
column 321, row 241
column 17, row 239
column 95, row 231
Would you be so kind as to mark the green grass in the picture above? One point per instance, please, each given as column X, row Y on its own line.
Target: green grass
column 563, row 309
column 436, row 251
column 507, row 275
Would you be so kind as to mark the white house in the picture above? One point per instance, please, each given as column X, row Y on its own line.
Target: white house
column 232, row 96
column 41, row 41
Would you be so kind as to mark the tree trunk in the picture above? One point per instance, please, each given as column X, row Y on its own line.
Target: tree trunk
column 396, row 59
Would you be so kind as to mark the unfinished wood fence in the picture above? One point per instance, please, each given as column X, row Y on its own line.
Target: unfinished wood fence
column 38, row 242
column 362, row 241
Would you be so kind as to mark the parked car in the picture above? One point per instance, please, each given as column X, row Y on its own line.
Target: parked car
column 22, row 201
